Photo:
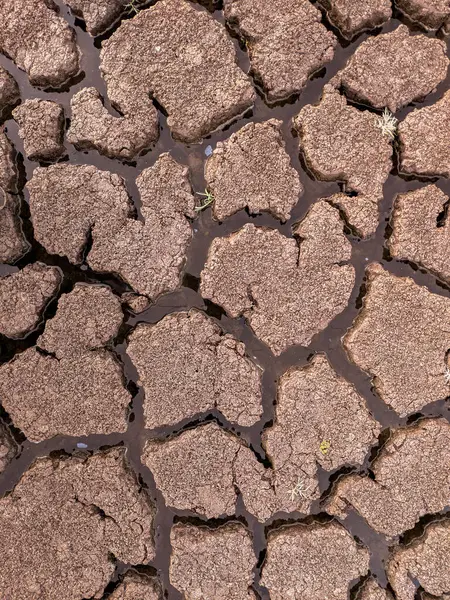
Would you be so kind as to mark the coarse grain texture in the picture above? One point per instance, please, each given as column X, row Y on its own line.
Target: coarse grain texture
column 187, row 366
column 288, row 290
column 423, row 563
column 9, row 92
column 354, row 16
column 411, row 478
column 41, row 127
column 212, row 563
column 12, row 241
column 372, row 591
column 124, row 137
column 39, row 41
column 423, row 137
column 401, row 338
column 394, row 69
column 24, row 296
column 150, row 256
column 7, row 448
column 65, row 524
column 286, row 41
column 312, row 562
column 431, row 14
column 72, row 396
column 136, row 586
column 421, row 230
column 98, row 15
column 341, row 143
column 252, row 170
column 184, row 59
column 67, row 200
column 320, row 421
column 87, row 319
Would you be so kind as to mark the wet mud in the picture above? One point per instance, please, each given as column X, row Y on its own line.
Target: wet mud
column 205, row 229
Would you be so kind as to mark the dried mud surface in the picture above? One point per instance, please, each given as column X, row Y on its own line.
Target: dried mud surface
column 224, row 300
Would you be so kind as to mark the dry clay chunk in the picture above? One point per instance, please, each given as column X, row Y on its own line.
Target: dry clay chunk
column 75, row 396
column 286, row 41
column 12, row 242
column 87, row 318
column 412, row 479
column 394, row 69
column 24, row 296
column 417, row 235
column 312, row 562
column 209, row 564
column 401, row 338
column 39, row 41
column 185, row 60
column 352, row 17
column 7, row 448
column 320, row 420
column 98, row 15
column 9, row 91
column 137, row 587
column 41, row 126
column 372, row 591
column 252, row 169
column 64, row 523
column 288, row 291
column 187, row 366
column 8, row 170
column 67, row 200
column 432, row 14
column 424, row 563
column 342, row 143
column 424, row 140
column 150, row 256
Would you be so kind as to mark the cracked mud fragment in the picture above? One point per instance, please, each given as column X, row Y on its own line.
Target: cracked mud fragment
column 68, row 520
column 342, row 143
column 12, row 242
column 423, row 136
column 8, row 169
column 372, row 591
column 93, row 127
column 394, row 69
column 212, row 563
column 136, row 586
column 288, row 290
column 432, row 14
column 39, row 41
column 401, row 338
column 150, row 256
column 418, row 235
column 286, row 41
column 312, row 562
column 252, row 169
column 411, row 479
column 7, row 448
column 9, row 92
column 187, row 366
column 98, row 15
column 41, row 126
column 423, row 563
column 24, row 296
column 185, row 60
column 352, row 17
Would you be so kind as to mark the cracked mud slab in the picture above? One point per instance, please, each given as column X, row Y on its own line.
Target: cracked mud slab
column 312, row 562
column 39, row 41
column 372, row 591
column 431, row 14
column 12, row 241
column 24, row 296
column 9, row 92
column 394, row 69
column 150, row 256
column 252, row 170
column 401, row 339
column 288, row 291
column 418, row 233
column 41, row 127
column 352, row 17
column 411, row 479
column 137, row 586
column 286, row 42
column 342, row 143
column 8, row 170
column 423, row 138
column 212, row 563
column 98, row 15
column 187, row 366
column 187, row 62
column 423, row 563
column 66, row 520
column 7, row 448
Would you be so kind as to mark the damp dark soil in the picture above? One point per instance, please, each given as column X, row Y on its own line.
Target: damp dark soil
column 187, row 297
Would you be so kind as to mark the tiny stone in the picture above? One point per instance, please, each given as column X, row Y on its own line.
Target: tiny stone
column 41, row 126
column 136, row 302
column 9, row 92
column 81, row 445
column 208, row 150
column 431, row 14
column 136, row 586
column 98, row 15
column 352, row 17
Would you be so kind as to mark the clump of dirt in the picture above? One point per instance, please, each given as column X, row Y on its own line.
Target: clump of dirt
column 352, row 17
column 41, row 126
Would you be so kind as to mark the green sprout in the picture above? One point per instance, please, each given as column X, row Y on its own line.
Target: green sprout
column 208, row 200
column 325, row 446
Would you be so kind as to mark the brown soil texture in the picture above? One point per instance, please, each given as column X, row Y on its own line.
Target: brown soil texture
column 224, row 300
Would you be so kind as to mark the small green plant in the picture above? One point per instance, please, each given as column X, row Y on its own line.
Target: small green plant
column 208, row 200
column 325, row 445
column 298, row 491
column 132, row 7
column 447, row 375
column 388, row 124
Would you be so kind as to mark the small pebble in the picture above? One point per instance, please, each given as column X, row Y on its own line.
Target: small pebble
column 81, row 445
column 208, row 150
